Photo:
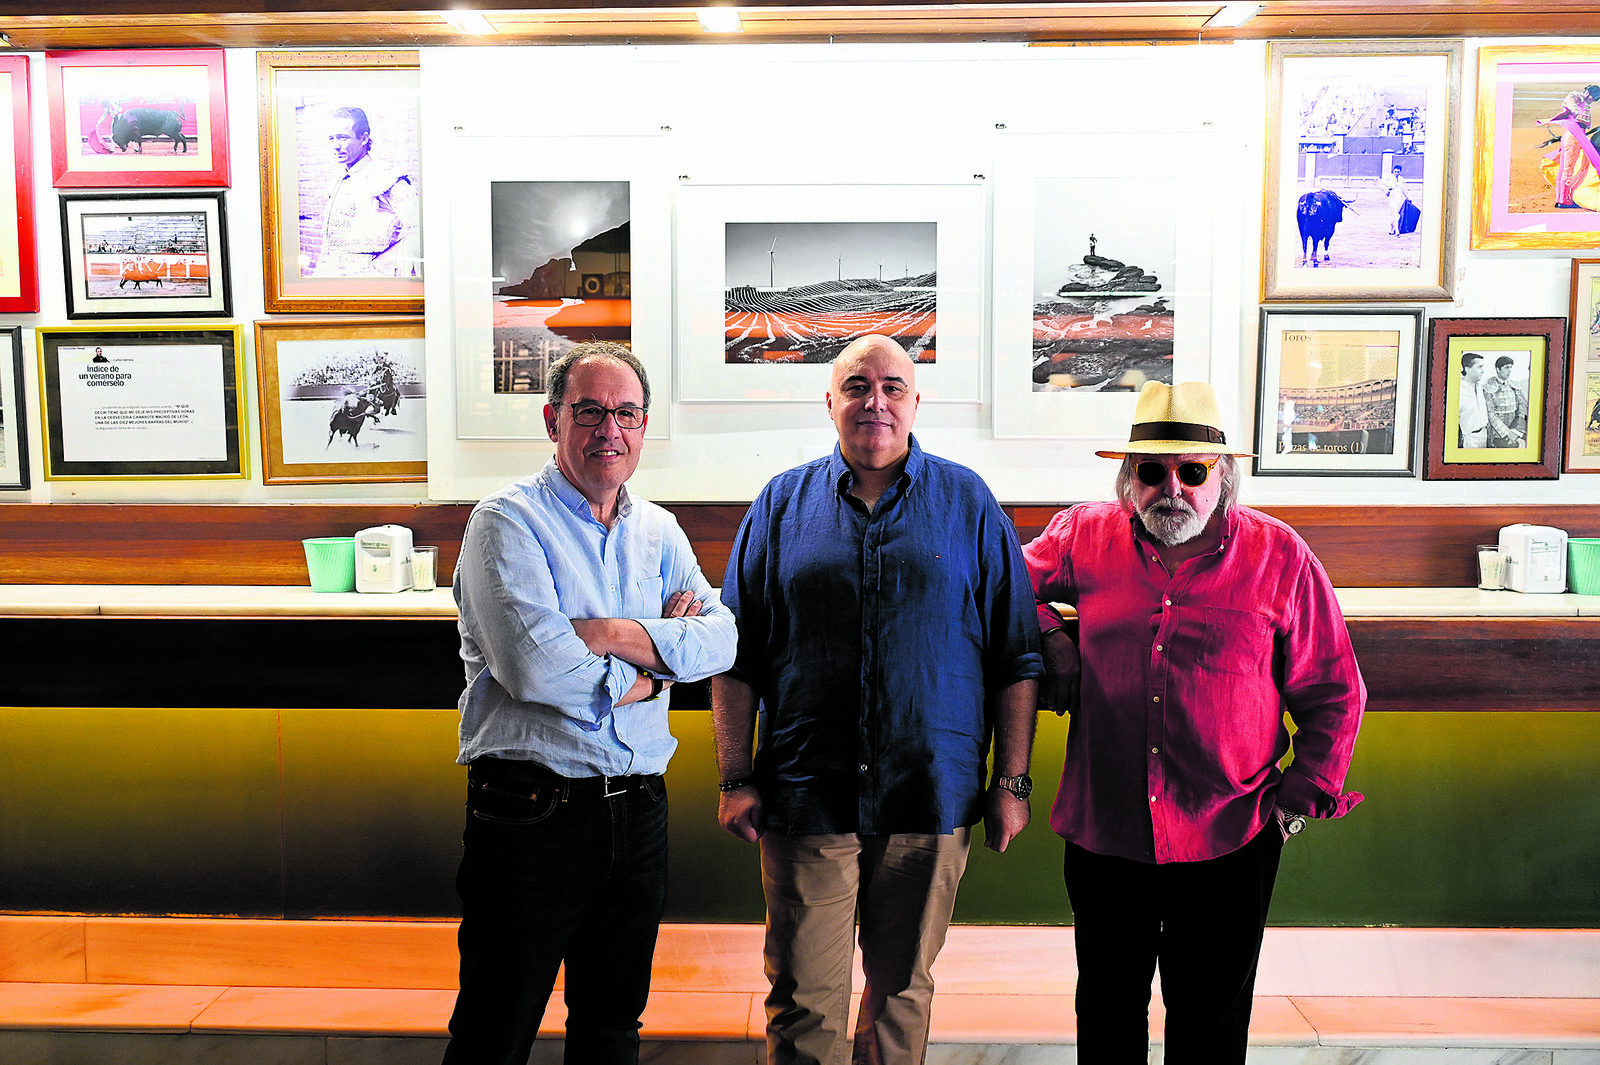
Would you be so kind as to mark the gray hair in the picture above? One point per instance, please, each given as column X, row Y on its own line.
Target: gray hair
column 555, row 381
column 1227, row 469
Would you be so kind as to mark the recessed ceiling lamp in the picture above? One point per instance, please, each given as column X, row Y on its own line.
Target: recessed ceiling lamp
column 719, row 19
column 1233, row 15
column 463, row 21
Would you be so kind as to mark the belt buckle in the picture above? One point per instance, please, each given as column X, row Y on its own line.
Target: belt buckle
column 607, row 783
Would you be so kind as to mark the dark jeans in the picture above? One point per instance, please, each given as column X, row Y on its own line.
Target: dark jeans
column 553, row 873
column 1201, row 922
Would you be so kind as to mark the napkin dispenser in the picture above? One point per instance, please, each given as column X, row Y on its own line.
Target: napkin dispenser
column 1535, row 558
column 383, row 559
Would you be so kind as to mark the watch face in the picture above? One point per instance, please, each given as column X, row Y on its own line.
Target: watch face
column 1021, row 786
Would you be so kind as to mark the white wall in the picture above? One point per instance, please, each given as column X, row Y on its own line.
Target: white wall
column 874, row 115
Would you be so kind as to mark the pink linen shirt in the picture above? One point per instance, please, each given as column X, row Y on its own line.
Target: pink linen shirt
column 1173, row 753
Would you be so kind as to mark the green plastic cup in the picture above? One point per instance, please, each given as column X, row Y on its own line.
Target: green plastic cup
column 331, row 561
column 1583, row 565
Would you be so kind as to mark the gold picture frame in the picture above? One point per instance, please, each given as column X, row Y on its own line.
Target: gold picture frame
column 317, row 111
column 342, row 401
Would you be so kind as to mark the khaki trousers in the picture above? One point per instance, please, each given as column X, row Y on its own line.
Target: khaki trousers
column 904, row 888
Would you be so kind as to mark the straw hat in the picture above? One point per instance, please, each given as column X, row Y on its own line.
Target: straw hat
column 1180, row 419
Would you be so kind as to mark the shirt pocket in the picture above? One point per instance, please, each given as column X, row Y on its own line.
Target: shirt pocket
column 648, row 591
column 1236, row 641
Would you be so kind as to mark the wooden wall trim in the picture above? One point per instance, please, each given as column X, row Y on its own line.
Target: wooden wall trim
column 247, row 544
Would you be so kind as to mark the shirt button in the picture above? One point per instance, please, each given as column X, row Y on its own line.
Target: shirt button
column 1152, row 798
column 1155, row 750
column 1159, row 647
column 1167, row 601
column 863, row 767
column 1155, row 698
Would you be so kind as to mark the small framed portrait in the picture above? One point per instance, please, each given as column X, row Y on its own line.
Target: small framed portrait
column 13, row 413
column 136, row 403
column 1583, row 371
column 1361, row 165
column 341, row 180
column 342, row 400
column 139, row 119
column 19, row 269
column 1536, row 174
column 145, row 255
column 1338, row 392
column 1495, row 398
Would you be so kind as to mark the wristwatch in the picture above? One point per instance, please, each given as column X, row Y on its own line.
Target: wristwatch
column 1020, row 786
column 1293, row 823
column 656, row 684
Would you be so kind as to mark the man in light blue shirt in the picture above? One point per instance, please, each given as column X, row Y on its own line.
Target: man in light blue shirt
column 580, row 606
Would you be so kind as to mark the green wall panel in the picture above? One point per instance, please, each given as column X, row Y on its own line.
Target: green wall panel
column 154, row 811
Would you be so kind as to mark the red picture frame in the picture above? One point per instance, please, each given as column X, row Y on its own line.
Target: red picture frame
column 19, row 261
column 138, row 119
column 1535, row 348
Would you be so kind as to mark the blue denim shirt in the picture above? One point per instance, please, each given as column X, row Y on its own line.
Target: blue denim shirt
column 873, row 641
column 533, row 557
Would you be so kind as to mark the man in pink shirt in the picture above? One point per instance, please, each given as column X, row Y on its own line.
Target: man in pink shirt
column 1199, row 620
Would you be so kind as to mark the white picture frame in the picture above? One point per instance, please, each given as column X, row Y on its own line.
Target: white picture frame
column 1103, row 170
column 705, row 210
column 479, row 162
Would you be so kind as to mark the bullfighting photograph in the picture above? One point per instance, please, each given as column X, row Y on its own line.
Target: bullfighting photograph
column 342, row 400
column 1358, row 178
column 1537, row 171
column 145, row 255
column 138, row 118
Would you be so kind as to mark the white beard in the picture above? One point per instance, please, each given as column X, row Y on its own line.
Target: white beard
column 1173, row 522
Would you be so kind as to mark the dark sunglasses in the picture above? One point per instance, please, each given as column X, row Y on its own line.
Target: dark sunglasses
column 1193, row 473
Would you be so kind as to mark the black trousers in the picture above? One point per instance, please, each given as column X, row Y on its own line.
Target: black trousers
column 1200, row 922
column 557, row 871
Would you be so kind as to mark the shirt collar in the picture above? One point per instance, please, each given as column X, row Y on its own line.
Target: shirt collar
column 841, row 477
column 556, row 481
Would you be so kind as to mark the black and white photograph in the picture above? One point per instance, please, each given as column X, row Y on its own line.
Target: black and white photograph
column 801, row 291
column 146, row 255
column 562, row 260
column 360, row 186
column 1103, row 284
column 342, row 400
column 1359, row 173
column 341, row 181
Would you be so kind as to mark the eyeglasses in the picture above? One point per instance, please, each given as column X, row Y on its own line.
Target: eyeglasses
column 1193, row 473
column 592, row 414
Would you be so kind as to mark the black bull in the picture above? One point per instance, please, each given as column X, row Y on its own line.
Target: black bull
column 1318, row 213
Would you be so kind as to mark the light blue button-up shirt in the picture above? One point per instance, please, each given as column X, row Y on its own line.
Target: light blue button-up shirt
column 532, row 558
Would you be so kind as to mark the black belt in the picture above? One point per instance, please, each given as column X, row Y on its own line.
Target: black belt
column 520, row 777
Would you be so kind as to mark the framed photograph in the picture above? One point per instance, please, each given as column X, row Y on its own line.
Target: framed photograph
column 1093, row 300
column 1361, row 165
column 1583, row 370
column 1337, row 392
column 342, row 400
column 142, row 119
column 1495, row 398
column 136, row 403
column 548, row 236
column 1536, row 175
column 145, row 255
column 341, row 185
column 19, row 267
column 13, row 413
column 775, row 280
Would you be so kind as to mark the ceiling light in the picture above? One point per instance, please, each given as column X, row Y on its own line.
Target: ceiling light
column 464, row 21
column 1232, row 15
column 719, row 19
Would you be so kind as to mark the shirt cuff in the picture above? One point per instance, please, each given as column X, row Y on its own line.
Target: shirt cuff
column 1299, row 795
